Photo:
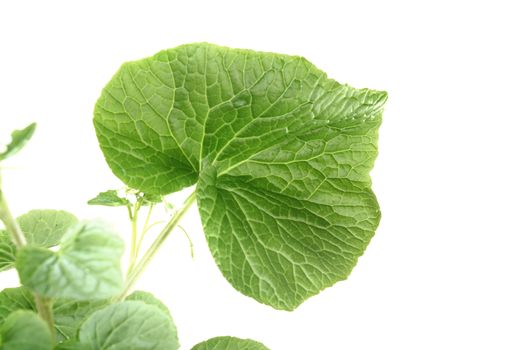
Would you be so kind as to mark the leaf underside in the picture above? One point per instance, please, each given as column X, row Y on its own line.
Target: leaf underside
column 19, row 139
column 280, row 154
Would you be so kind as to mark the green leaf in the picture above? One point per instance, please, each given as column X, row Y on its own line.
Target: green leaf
column 68, row 314
column 86, row 267
column 129, row 325
column 151, row 198
column 149, row 299
column 19, row 138
column 7, row 251
column 229, row 343
column 42, row 228
column 24, row 330
column 280, row 154
column 109, row 198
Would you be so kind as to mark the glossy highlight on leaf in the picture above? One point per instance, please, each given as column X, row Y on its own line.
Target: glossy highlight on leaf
column 280, row 153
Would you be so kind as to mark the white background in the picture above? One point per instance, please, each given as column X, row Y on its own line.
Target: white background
column 446, row 269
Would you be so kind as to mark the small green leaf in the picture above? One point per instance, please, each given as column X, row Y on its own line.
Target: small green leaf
column 24, row 330
column 7, row 251
column 229, row 343
column 109, row 198
column 19, row 138
column 280, row 155
column 149, row 299
column 68, row 314
column 42, row 228
column 151, row 198
column 129, row 325
column 86, row 267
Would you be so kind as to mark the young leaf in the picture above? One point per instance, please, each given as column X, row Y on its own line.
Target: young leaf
column 151, row 198
column 149, row 299
column 109, row 198
column 129, row 325
column 7, row 251
column 42, row 228
column 229, row 343
column 24, row 330
column 68, row 314
column 280, row 153
column 19, row 138
column 87, row 265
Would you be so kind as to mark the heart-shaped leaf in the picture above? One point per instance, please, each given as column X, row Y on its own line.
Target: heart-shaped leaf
column 229, row 343
column 42, row 228
column 129, row 325
column 24, row 330
column 86, row 267
column 280, row 154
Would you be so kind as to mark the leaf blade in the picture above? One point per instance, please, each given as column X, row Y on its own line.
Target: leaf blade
column 268, row 135
column 19, row 139
column 86, row 267
column 129, row 325
column 24, row 330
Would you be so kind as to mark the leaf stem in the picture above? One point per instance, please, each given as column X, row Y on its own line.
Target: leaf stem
column 152, row 250
column 43, row 306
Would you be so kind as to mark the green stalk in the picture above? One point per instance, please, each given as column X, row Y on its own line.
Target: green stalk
column 133, row 250
column 139, row 268
column 43, row 306
column 145, row 229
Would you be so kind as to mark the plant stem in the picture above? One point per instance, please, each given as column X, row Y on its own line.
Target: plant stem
column 43, row 306
column 152, row 250
column 145, row 229
column 134, row 217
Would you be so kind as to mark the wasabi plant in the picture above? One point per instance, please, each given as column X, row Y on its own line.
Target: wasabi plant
column 278, row 157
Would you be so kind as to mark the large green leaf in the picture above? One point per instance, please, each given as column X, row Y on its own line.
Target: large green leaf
column 86, row 267
column 42, row 228
column 19, row 138
column 229, row 343
column 280, row 153
column 68, row 314
column 24, row 330
column 129, row 325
